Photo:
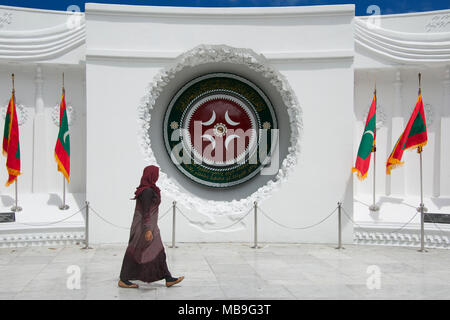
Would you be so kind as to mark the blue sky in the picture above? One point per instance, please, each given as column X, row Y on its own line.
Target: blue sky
column 386, row 6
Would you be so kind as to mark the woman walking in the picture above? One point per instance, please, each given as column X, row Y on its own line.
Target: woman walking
column 145, row 258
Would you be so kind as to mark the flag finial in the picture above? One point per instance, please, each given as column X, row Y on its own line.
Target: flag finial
column 420, row 83
column 12, row 78
column 63, row 89
column 375, row 88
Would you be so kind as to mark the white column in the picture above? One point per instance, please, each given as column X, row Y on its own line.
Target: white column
column 395, row 183
column 39, row 137
column 445, row 134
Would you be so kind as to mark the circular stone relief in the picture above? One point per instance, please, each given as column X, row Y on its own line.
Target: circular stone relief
column 215, row 127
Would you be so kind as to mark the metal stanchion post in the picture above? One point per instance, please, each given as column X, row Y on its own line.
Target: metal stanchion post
column 16, row 207
column 174, row 209
column 374, row 207
column 422, row 228
column 255, row 208
column 340, row 226
column 421, row 208
column 64, row 206
column 86, row 232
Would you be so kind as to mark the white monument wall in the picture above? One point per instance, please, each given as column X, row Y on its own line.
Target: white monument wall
column 329, row 60
column 311, row 46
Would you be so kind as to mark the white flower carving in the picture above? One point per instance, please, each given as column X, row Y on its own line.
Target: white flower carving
column 21, row 110
column 71, row 114
column 205, row 54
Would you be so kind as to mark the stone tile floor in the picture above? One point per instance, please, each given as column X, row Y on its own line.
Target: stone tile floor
column 231, row 271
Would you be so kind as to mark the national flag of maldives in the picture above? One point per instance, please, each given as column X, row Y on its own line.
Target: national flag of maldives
column 367, row 142
column 415, row 135
column 11, row 147
column 62, row 148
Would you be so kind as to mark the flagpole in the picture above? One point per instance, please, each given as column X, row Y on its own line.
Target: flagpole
column 421, row 208
column 16, row 207
column 374, row 207
column 64, row 206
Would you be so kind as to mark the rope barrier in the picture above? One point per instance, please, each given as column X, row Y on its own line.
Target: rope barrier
column 108, row 222
column 366, row 230
column 185, row 216
column 174, row 207
column 223, row 228
column 53, row 222
column 79, row 211
column 164, row 214
column 399, row 204
column 121, row 227
column 297, row 228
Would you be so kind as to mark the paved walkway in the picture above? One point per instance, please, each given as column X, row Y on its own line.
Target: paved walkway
column 232, row 271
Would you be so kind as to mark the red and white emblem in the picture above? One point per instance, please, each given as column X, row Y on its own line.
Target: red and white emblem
column 220, row 130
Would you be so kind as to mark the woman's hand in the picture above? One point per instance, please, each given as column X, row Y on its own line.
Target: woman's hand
column 148, row 235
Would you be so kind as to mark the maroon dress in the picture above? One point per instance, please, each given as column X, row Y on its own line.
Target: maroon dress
column 145, row 260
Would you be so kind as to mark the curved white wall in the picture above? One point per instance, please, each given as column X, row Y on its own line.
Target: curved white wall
column 38, row 46
column 393, row 54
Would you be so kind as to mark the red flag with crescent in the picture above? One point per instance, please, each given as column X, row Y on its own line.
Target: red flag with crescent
column 11, row 147
column 62, row 148
column 367, row 143
column 414, row 135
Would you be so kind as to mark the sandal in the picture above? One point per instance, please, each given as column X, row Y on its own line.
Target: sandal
column 175, row 281
column 127, row 284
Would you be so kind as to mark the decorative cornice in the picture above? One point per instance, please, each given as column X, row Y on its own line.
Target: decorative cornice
column 34, row 10
column 410, row 237
column 402, row 47
column 220, row 13
column 205, row 54
column 416, row 14
column 136, row 55
column 42, row 44
column 44, row 238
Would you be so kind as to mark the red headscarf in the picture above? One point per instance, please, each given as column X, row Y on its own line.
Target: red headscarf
column 148, row 180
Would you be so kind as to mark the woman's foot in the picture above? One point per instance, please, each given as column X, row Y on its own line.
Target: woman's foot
column 171, row 281
column 127, row 284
